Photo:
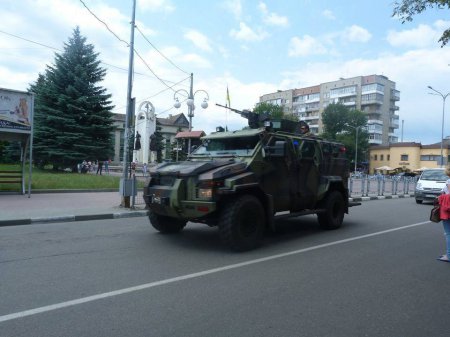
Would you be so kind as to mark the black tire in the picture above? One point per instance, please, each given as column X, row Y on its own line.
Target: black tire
column 242, row 223
column 418, row 201
column 165, row 224
column 333, row 216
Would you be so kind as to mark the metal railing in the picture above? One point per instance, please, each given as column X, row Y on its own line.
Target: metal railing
column 137, row 200
column 378, row 185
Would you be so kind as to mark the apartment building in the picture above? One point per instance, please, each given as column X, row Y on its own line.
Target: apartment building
column 374, row 95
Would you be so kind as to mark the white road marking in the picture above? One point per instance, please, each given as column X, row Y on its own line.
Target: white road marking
column 92, row 298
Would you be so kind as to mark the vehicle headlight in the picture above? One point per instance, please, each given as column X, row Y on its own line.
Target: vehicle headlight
column 205, row 193
column 419, row 187
column 206, row 188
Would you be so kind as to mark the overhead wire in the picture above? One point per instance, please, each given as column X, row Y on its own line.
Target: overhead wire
column 158, row 93
column 104, row 23
column 134, row 49
column 59, row 50
column 170, row 61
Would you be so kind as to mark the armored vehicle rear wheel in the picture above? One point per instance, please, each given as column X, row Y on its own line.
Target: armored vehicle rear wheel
column 334, row 211
column 165, row 224
column 241, row 223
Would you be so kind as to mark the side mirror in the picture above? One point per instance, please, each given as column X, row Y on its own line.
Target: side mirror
column 277, row 150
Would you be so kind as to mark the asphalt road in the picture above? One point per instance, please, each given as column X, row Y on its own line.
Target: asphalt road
column 376, row 276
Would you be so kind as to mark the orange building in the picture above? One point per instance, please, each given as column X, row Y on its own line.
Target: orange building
column 407, row 156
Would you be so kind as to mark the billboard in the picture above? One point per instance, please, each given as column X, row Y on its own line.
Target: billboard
column 16, row 111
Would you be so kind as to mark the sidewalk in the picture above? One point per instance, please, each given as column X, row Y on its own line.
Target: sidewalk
column 62, row 207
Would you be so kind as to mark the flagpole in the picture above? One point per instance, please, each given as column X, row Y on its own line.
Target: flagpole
column 227, row 104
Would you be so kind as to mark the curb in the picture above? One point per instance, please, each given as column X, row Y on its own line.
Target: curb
column 72, row 218
column 381, row 197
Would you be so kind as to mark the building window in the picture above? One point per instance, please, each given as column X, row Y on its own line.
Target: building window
column 381, row 157
column 404, row 157
column 388, row 157
column 371, row 97
column 375, row 157
column 429, row 157
column 343, row 91
column 372, row 87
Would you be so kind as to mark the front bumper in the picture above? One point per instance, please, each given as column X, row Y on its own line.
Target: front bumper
column 426, row 195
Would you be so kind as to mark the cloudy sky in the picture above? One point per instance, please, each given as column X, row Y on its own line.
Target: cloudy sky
column 253, row 47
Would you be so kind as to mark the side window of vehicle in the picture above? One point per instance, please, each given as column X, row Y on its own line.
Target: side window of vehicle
column 326, row 149
column 308, row 149
column 336, row 150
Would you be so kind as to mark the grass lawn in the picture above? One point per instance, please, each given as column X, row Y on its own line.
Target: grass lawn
column 49, row 179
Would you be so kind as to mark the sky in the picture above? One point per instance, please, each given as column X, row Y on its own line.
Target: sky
column 251, row 47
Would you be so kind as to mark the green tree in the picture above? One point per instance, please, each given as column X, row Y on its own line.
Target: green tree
column 274, row 111
column 43, row 132
column 157, row 142
column 406, row 9
column 342, row 124
column 73, row 119
column 10, row 152
column 334, row 118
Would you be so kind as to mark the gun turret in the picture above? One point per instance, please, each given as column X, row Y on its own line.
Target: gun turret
column 254, row 120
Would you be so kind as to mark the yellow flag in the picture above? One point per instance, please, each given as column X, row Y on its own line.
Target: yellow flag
column 228, row 98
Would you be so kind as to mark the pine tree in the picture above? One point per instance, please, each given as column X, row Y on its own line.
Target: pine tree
column 73, row 119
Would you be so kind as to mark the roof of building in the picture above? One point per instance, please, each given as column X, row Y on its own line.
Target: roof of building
column 190, row 134
column 405, row 144
column 446, row 144
column 174, row 120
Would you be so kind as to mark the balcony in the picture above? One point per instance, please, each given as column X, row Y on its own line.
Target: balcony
column 376, row 101
column 394, row 123
column 394, row 108
column 375, row 122
column 309, row 118
column 395, row 95
column 375, row 141
column 393, row 139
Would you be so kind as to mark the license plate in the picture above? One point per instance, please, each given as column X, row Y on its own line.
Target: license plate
column 430, row 196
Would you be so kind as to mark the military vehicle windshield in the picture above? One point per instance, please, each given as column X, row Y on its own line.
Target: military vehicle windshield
column 230, row 146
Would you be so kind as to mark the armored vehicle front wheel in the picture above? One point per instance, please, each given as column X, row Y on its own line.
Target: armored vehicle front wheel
column 241, row 223
column 334, row 211
column 165, row 224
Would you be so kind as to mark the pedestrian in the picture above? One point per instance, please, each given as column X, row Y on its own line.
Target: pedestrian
column 444, row 203
column 107, row 166
column 144, row 169
column 99, row 166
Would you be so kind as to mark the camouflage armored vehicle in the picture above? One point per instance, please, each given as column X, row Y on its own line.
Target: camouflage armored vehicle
column 240, row 180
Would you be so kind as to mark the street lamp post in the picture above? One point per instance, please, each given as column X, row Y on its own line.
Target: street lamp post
column 190, row 103
column 443, row 114
column 356, row 147
column 356, row 142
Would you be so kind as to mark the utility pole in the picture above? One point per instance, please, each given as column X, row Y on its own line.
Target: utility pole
column 444, row 97
column 125, row 182
column 403, row 122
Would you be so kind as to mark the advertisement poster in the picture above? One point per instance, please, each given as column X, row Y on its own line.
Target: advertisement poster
column 15, row 111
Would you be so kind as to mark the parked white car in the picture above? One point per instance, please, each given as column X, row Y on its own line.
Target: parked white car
column 430, row 184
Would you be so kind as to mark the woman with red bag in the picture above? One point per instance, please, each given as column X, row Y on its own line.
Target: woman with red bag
column 444, row 203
